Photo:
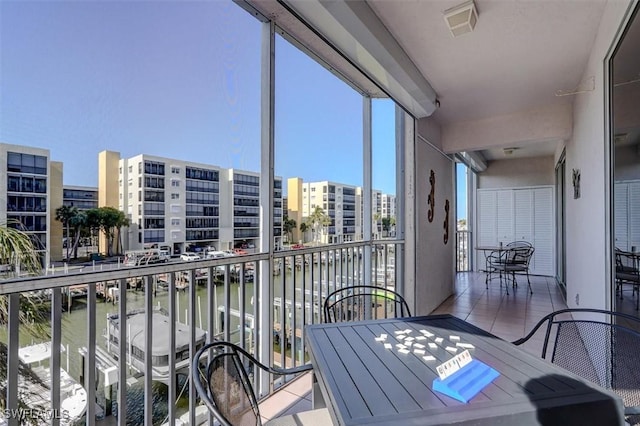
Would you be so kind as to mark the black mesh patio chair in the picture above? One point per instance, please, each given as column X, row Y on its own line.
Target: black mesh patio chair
column 223, row 374
column 361, row 302
column 514, row 261
column 600, row 346
column 627, row 273
column 520, row 243
column 495, row 260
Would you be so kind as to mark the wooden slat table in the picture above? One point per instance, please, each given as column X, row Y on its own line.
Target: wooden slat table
column 363, row 383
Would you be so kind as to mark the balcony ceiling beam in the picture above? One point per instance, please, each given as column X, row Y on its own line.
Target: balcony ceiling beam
column 357, row 32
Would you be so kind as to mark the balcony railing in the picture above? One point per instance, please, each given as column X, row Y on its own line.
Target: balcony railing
column 463, row 251
column 106, row 336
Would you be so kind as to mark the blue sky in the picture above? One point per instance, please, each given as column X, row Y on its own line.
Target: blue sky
column 461, row 193
column 174, row 79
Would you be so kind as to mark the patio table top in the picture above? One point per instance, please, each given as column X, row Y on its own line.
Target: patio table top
column 365, row 379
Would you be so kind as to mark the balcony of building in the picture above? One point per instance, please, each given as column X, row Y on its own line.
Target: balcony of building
column 519, row 118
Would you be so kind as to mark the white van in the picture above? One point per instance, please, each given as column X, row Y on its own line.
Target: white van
column 214, row 254
column 164, row 255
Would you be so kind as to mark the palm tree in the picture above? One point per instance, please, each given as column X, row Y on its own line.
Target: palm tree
column 375, row 228
column 123, row 221
column 109, row 220
column 317, row 221
column 303, row 229
column 79, row 223
column 17, row 249
column 288, row 225
column 65, row 214
column 387, row 222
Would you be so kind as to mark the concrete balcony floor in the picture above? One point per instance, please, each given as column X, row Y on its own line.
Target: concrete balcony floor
column 507, row 316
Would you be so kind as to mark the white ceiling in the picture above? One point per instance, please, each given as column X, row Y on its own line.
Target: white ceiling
column 520, row 55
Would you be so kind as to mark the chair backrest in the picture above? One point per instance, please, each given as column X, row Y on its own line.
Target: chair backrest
column 520, row 243
column 600, row 346
column 626, row 261
column 223, row 374
column 360, row 302
column 517, row 251
column 521, row 255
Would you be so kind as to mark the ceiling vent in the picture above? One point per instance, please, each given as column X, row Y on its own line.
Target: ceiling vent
column 461, row 19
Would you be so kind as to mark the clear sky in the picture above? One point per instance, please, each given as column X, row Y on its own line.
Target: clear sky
column 461, row 191
column 176, row 79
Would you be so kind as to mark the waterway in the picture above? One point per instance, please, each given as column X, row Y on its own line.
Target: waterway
column 296, row 281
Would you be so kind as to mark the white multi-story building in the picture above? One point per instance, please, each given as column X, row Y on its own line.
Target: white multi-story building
column 339, row 202
column 240, row 221
column 388, row 205
column 342, row 203
column 80, row 197
column 185, row 205
column 31, row 191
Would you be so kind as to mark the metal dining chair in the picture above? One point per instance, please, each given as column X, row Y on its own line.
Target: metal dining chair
column 361, row 302
column 627, row 273
column 597, row 345
column 223, row 375
column 514, row 261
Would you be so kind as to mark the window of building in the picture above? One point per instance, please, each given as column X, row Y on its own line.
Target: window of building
column 26, row 163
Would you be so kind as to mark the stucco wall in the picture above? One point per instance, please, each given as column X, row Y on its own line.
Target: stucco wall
column 587, row 233
column 517, row 173
column 434, row 259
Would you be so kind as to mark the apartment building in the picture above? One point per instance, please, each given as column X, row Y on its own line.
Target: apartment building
column 31, row 186
column 338, row 201
column 383, row 206
column 343, row 204
column 80, row 197
column 389, row 212
column 240, row 218
column 184, row 205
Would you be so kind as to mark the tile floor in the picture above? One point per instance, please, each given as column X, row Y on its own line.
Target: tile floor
column 507, row 316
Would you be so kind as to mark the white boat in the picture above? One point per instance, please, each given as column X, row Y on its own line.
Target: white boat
column 73, row 397
column 160, row 355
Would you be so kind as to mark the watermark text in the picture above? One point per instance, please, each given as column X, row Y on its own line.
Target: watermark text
column 34, row 413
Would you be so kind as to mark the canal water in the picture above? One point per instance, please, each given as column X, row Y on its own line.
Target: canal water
column 292, row 279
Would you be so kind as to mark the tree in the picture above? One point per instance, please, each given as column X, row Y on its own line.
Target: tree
column 317, row 222
column 376, row 221
column 386, row 224
column 288, row 225
column 303, row 229
column 109, row 221
column 79, row 223
column 65, row 214
column 17, row 249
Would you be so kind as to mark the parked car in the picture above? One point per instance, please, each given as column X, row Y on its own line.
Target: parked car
column 214, row 254
column 239, row 252
column 188, row 256
column 297, row 246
